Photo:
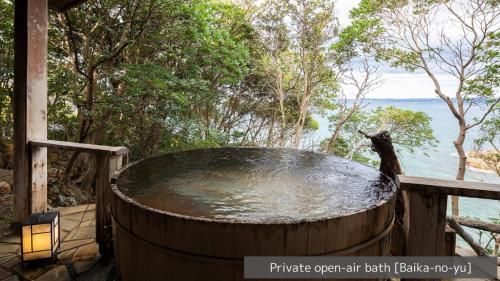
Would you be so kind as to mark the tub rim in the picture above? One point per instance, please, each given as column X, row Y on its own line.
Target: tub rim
column 115, row 189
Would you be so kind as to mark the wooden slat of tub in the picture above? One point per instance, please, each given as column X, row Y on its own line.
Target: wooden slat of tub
column 296, row 239
column 348, row 231
column 156, row 265
column 344, row 232
column 124, row 267
column 260, row 240
column 317, row 238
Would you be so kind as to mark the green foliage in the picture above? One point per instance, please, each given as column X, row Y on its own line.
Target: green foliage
column 182, row 74
column 490, row 131
column 6, row 68
column 487, row 145
column 408, row 129
column 485, row 85
column 168, row 87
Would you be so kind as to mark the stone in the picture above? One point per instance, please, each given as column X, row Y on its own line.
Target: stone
column 6, row 175
column 89, row 216
column 76, row 209
column 103, row 270
column 66, row 255
column 82, row 266
column 5, row 187
column 66, row 200
column 82, row 232
column 484, row 161
column 87, row 252
column 75, row 244
column 59, row 273
column 68, row 225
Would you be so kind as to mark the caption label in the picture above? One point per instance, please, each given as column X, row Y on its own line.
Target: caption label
column 370, row 267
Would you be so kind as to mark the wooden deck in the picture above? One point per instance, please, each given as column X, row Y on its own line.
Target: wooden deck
column 78, row 255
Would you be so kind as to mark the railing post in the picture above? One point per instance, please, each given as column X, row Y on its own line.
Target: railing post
column 106, row 166
column 425, row 222
column 450, row 242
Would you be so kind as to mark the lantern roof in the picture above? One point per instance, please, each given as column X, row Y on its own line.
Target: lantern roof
column 63, row 5
column 40, row 218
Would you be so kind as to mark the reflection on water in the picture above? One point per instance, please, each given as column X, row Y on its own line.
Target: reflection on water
column 254, row 184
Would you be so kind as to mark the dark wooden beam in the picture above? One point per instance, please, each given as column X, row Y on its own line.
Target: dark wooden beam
column 30, row 106
column 63, row 5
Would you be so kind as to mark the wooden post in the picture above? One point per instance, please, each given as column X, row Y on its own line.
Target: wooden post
column 30, row 106
column 425, row 222
column 107, row 165
column 450, row 242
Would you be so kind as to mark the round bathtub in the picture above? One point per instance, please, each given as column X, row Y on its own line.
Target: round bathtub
column 194, row 215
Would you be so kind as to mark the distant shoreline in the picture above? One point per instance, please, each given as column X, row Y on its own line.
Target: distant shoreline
column 403, row 99
column 422, row 100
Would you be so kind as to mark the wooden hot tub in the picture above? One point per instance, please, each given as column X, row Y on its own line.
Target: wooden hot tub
column 194, row 215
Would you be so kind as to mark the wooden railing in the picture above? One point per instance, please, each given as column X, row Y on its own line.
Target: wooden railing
column 109, row 159
column 425, row 211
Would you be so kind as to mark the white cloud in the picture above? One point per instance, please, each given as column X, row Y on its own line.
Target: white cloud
column 342, row 8
column 412, row 85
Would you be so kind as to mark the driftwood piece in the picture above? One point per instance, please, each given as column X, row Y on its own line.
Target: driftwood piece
column 389, row 165
column 478, row 224
column 480, row 251
column 382, row 144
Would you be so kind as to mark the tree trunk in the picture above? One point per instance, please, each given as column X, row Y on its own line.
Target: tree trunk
column 303, row 110
column 299, row 126
column 270, row 131
column 459, row 143
column 281, row 97
column 283, row 123
column 85, row 122
column 334, row 137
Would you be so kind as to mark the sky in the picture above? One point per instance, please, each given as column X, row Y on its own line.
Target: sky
column 398, row 83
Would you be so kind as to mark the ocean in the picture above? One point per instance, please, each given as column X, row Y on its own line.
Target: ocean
column 442, row 161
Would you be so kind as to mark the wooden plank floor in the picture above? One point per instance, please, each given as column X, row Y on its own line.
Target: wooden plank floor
column 78, row 253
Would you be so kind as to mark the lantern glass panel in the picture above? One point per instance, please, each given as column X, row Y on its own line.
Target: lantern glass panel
column 41, row 228
column 26, row 239
column 56, row 233
column 42, row 241
column 37, row 255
